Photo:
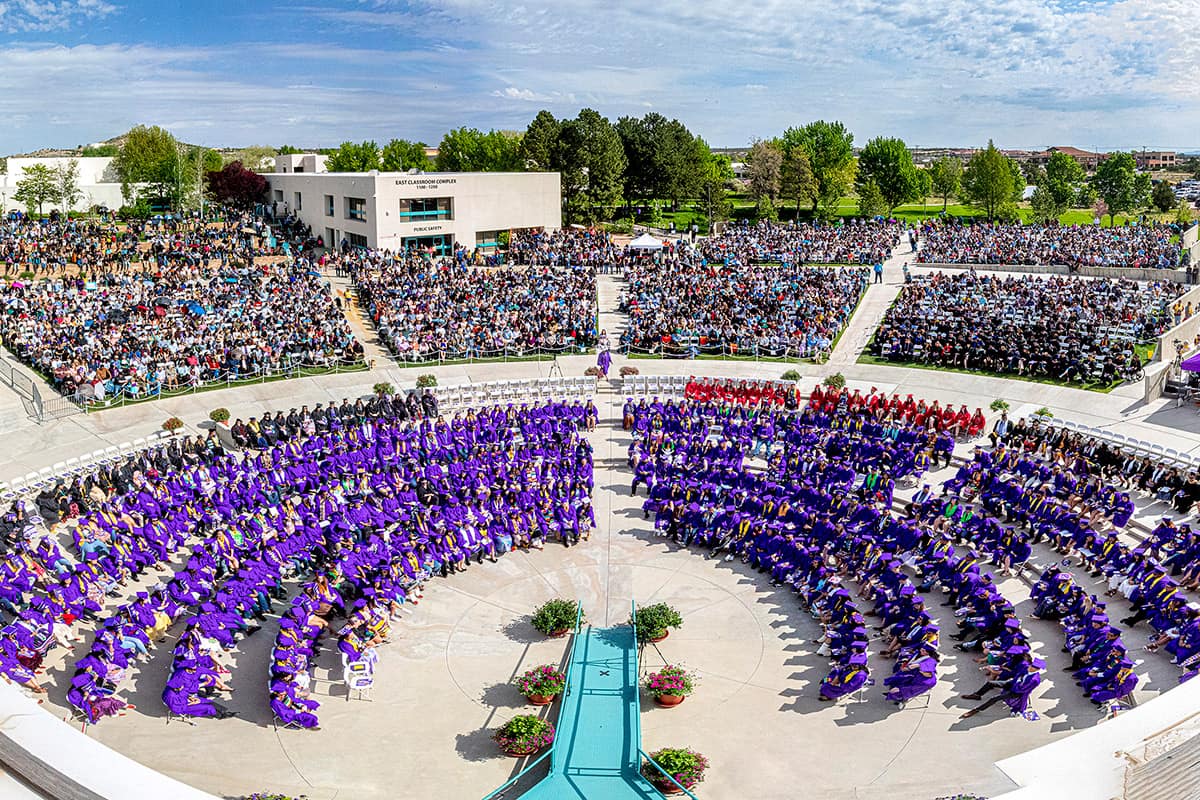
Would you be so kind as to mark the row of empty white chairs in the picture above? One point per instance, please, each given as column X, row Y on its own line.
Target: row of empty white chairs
column 467, row 395
column 1127, row 443
column 34, row 481
column 675, row 385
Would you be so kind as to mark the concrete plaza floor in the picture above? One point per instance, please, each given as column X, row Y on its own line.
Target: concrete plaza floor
column 443, row 686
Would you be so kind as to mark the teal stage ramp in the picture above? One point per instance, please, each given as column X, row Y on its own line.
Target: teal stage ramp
column 596, row 752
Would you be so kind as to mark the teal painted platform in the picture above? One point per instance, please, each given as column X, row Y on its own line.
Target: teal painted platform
column 596, row 755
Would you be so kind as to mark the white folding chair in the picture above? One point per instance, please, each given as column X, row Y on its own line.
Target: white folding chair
column 359, row 676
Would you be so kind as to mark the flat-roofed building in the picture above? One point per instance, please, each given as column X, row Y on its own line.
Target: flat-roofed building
column 404, row 211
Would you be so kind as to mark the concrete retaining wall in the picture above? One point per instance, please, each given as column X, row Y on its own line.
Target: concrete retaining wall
column 1185, row 330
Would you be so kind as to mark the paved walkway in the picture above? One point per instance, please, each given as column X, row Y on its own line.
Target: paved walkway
column 596, row 755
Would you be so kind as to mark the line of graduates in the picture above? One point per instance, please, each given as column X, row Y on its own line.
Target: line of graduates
column 504, row 476
column 1067, row 504
column 815, row 517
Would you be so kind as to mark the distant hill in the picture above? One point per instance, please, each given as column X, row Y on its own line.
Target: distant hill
column 112, row 144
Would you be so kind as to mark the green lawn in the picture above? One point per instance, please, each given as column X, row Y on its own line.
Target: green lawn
column 744, row 207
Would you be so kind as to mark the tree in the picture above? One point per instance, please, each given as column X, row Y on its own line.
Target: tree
column 351, row 157
column 1063, row 179
column 236, row 186
column 946, row 177
column 471, row 150
column 589, row 156
column 401, row 155
column 1183, row 213
column 288, row 150
column 830, row 149
column 1163, row 196
column 66, row 184
column 150, row 158
column 764, row 163
column 539, row 142
column 665, row 160
column 714, row 198
column 99, row 151
column 1018, row 180
column 258, row 157
column 1114, row 183
column 796, row 179
column 888, row 164
column 987, row 181
column 1043, row 205
column 871, row 202
column 924, row 185
column 36, row 188
column 1035, row 174
column 1142, row 189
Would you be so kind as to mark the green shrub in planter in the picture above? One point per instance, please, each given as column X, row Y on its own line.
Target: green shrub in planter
column 998, row 405
column 682, row 763
column 791, row 375
column 653, row 621
column 524, row 734
column 173, row 424
column 555, row 616
column 384, row 388
column 427, row 380
column 219, row 415
column 837, row 380
column 1044, row 412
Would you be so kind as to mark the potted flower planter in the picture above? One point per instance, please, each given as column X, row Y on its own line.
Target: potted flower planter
column 524, row 735
column 654, row 622
column 684, row 764
column 555, row 618
column 541, row 685
column 670, row 685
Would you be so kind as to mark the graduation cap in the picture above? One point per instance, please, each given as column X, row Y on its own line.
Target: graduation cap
column 858, row 658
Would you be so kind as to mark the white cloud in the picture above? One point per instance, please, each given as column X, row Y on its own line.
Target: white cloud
column 528, row 95
column 27, row 16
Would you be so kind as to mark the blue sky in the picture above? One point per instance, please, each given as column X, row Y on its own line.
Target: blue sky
column 1027, row 73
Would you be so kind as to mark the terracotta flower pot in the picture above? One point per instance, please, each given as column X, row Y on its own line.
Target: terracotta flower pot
column 540, row 699
column 559, row 633
column 669, row 699
column 657, row 639
column 666, row 787
column 520, row 753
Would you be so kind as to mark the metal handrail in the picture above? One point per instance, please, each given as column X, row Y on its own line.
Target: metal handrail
column 553, row 745
column 521, row 774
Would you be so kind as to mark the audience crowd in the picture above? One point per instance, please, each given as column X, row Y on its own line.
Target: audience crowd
column 427, row 310
column 1146, row 246
column 696, row 307
column 853, row 242
column 1068, row 329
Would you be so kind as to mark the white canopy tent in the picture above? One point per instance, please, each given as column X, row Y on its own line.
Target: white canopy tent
column 645, row 242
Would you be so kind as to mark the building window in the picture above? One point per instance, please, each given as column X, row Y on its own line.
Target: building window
column 356, row 208
column 356, row 239
column 487, row 239
column 426, row 208
column 299, row 202
column 279, row 195
column 329, row 205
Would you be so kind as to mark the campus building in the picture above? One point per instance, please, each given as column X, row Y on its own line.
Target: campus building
column 99, row 184
column 403, row 210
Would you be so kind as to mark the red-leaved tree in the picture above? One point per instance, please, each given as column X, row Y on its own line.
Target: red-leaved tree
column 234, row 185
